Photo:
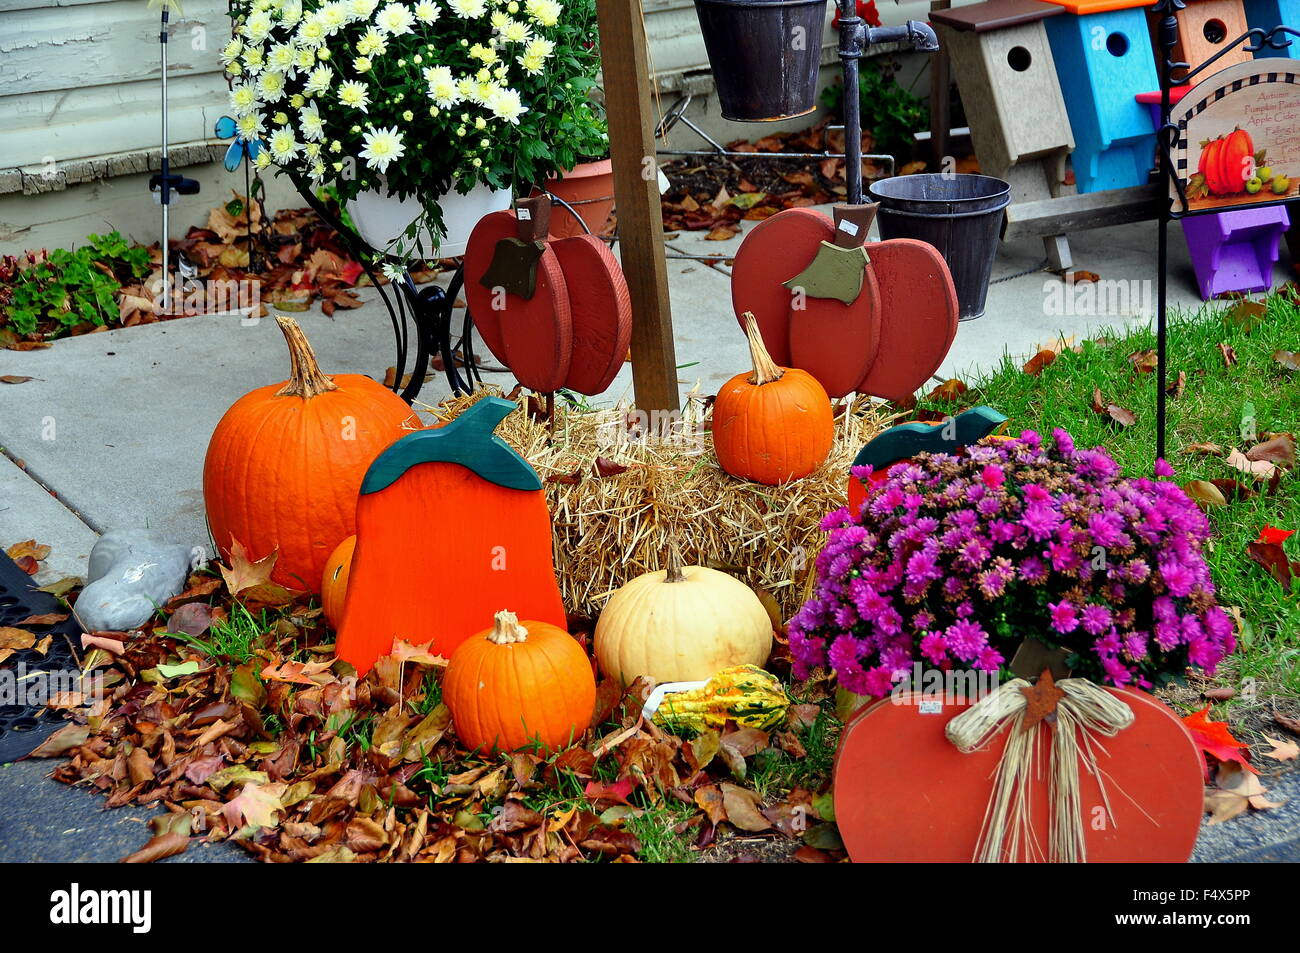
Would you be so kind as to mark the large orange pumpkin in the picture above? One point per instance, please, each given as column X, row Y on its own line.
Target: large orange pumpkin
column 1227, row 162
column 286, row 461
column 774, row 424
column 334, row 581
column 519, row 684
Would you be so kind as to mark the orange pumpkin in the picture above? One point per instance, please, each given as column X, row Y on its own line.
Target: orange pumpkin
column 519, row 684
column 286, row 461
column 334, row 581
column 774, row 424
column 1227, row 162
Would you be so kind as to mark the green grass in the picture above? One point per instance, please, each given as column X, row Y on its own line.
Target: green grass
column 1210, row 409
column 232, row 638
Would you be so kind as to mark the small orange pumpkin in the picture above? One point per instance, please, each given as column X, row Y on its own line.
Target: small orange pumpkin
column 1227, row 162
column 334, row 582
column 774, row 424
column 285, row 463
column 518, row 684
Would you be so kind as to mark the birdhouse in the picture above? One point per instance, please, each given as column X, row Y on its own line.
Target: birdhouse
column 1003, row 65
column 1206, row 27
column 1266, row 14
column 1103, row 57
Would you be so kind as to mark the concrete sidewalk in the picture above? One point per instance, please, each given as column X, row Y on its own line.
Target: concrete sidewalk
column 113, row 430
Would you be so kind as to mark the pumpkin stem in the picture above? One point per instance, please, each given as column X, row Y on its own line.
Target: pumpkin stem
column 765, row 369
column 305, row 377
column 673, row 567
column 506, row 629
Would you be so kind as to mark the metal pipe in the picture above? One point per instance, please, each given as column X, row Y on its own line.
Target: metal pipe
column 166, row 191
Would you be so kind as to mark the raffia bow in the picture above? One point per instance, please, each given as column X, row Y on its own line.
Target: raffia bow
column 1084, row 715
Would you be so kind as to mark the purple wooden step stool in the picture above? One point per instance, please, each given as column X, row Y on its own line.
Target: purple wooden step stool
column 1233, row 250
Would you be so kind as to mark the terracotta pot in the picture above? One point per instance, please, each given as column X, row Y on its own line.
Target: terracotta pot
column 589, row 188
column 903, row 793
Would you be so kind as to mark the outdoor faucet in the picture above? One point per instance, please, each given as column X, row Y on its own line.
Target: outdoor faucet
column 919, row 36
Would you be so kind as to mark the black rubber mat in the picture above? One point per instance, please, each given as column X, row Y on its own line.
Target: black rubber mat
column 23, row 727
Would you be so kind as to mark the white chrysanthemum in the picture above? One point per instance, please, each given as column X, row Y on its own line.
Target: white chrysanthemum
column 371, row 43
column 310, row 122
column 354, row 94
column 290, row 13
column 333, row 17
column 362, row 64
column 382, row 146
column 317, row 171
column 254, row 59
column 394, row 19
column 545, row 12
column 282, row 57
column 243, row 99
column 271, row 86
column 426, row 11
column 304, row 58
column 506, row 104
column 498, row 19
column 393, row 271
column 282, row 144
column 311, row 32
column 258, row 26
column 319, row 81
column 249, row 125
column 467, row 88
column 232, row 51
column 515, row 31
column 312, row 150
column 362, row 9
column 484, row 54
column 263, row 160
column 468, row 9
column 442, row 86
column 531, row 63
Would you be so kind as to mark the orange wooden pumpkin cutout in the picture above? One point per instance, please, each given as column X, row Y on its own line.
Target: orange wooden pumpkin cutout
column 451, row 525
column 903, row 793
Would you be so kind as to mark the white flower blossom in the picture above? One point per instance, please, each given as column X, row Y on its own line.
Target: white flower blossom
column 250, row 125
column 426, row 11
column 545, row 12
column 382, row 146
column 442, row 86
column 270, row 85
column 362, row 9
column 282, row 144
column 394, row 19
column 232, row 51
column 354, row 94
column 319, row 81
column 243, row 99
column 468, row 9
column 506, row 104
column 310, row 122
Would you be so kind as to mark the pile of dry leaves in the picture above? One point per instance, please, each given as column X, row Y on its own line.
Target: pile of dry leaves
column 277, row 747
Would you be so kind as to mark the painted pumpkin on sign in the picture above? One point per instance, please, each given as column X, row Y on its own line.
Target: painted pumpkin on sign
column 1227, row 162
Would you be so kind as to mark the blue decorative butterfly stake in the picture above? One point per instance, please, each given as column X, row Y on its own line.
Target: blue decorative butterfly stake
column 241, row 148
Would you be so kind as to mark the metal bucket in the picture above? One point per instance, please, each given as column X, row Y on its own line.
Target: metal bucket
column 959, row 214
column 764, row 54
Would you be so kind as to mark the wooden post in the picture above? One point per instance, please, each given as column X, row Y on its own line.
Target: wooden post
column 626, row 70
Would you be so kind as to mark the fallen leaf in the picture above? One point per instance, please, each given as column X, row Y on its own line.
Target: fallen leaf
column 47, row 618
column 1204, row 493
column 1040, row 361
column 1229, row 354
column 742, row 808
column 1283, row 750
column 1272, row 557
column 1144, row 362
column 1211, row 449
column 256, row 804
column 15, row 379
column 1289, row 360
column 1259, row 469
column 1279, row 449
column 1214, row 738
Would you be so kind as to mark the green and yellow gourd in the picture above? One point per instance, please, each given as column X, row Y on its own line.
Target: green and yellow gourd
column 744, row 694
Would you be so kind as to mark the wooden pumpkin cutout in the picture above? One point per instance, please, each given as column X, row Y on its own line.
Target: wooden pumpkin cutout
column 840, row 306
column 907, row 440
column 451, row 525
column 532, row 335
column 574, row 330
column 904, row 793
column 917, row 303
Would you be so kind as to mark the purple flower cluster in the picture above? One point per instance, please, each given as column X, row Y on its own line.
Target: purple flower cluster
column 954, row 560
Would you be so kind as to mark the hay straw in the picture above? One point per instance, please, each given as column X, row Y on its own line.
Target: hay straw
column 608, row 530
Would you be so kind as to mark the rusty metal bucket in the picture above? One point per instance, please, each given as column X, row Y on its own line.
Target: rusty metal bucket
column 764, row 54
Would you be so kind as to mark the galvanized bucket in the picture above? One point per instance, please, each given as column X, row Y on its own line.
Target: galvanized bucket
column 764, row 55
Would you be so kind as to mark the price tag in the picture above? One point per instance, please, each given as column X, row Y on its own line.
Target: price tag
column 931, row 706
column 849, row 227
column 524, row 214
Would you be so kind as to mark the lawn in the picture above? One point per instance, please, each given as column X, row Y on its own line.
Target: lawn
column 1231, row 404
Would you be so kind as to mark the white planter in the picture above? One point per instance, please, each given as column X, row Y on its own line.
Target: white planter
column 381, row 217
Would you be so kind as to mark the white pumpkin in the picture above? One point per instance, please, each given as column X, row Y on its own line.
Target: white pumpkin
column 681, row 624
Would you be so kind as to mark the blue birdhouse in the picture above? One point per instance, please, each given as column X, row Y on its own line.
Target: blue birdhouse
column 1104, row 59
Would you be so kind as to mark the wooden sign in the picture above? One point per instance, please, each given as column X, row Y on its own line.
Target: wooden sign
column 1239, row 136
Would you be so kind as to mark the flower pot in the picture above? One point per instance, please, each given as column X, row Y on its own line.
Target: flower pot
column 764, row 54
column 381, row 217
column 904, row 793
column 589, row 188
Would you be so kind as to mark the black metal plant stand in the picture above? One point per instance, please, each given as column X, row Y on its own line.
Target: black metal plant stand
column 1167, row 135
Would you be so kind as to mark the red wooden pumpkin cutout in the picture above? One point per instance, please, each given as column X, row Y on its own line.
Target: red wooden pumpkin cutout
column 903, row 793
column 601, row 310
column 532, row 336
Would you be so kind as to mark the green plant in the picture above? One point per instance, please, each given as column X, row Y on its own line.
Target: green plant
column 891, row 113
column 232, row 638
column 68, row 287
